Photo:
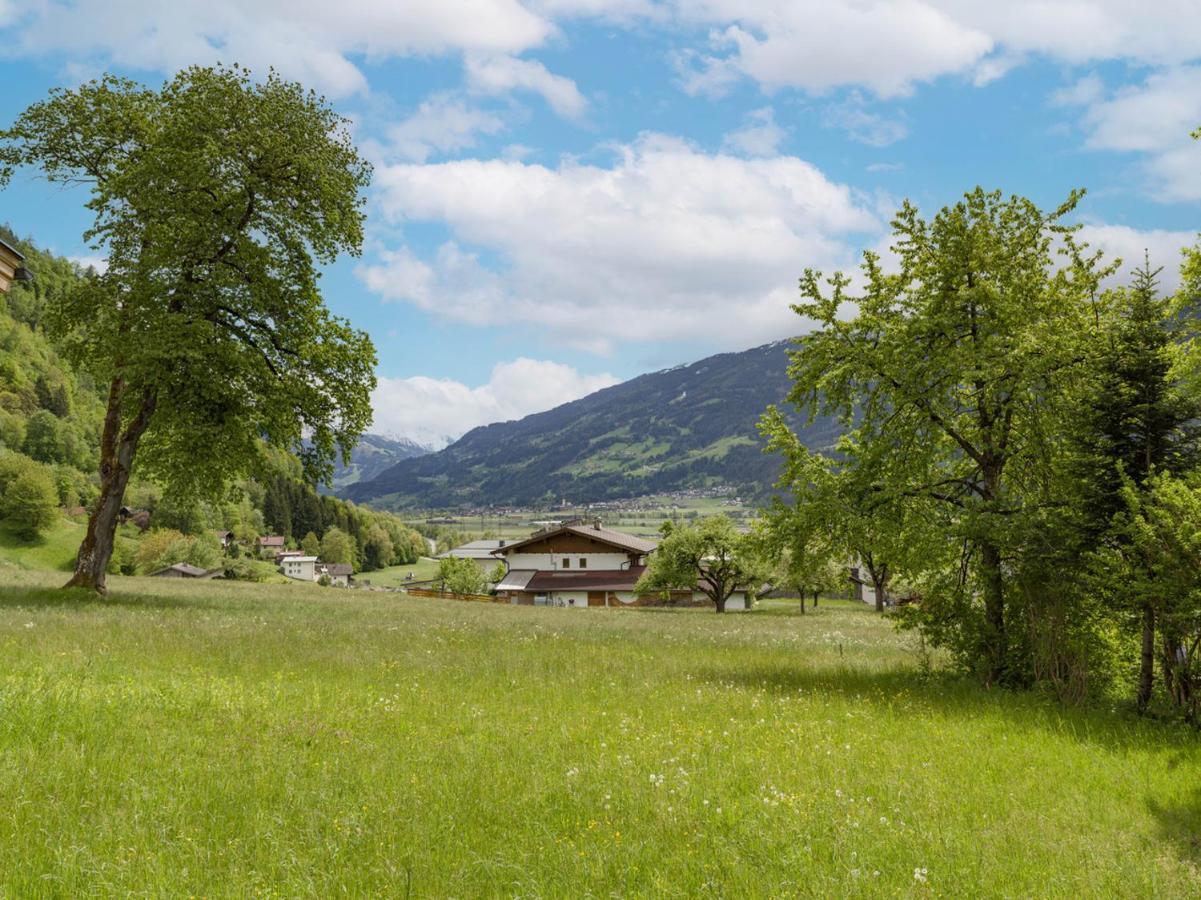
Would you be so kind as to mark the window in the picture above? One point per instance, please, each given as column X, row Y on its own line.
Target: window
column 566, row 563
column 583, row 563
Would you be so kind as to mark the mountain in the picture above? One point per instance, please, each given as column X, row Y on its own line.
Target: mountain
column 688, row 427
column 372, row 456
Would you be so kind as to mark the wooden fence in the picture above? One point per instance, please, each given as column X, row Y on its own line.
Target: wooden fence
column 447, row 595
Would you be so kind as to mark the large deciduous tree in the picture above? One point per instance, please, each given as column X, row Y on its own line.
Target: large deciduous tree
column 710, row 555
column 943, row 368
column 216, row 199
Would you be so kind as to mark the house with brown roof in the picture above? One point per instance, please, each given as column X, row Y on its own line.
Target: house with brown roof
column 580, row 565
column 12, row 266
column 270, row 544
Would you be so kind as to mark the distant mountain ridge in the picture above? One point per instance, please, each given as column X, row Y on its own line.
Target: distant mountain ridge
column 691, row 426
column 374, row 455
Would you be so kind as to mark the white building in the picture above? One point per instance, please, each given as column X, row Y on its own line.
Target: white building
column 302, row 568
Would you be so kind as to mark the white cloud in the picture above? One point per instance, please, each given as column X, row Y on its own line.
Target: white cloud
column 888, row 46
column 817, row 45
column 91, row 261
column 307, row 39
column 760, row 136
column 503, row 74
column 1154, row 118
column 862, row 125
column 666, row 243
column 435, row 411
column 442, row 123
column 1129, row 244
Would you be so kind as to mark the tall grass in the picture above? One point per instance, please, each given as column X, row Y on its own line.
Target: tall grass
column 231, row 740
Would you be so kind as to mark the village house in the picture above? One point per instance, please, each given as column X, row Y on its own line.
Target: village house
column 302, row 568
column 184, row 570
column 581, row 565
column 338, row 574
column 12, row 266
column 270, row 544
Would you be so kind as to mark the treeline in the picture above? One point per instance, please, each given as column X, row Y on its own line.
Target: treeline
column 1021, row 463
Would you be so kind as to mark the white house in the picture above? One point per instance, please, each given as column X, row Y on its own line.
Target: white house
column 302, row 568
column 586, row 565
column 479, row 552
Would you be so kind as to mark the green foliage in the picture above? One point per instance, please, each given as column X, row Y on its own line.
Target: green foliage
column 311, row 545
column 460, row 576
column 28, row 497
column 244, row 568
column 163, row 547
column 337, row 547
column 951, row 377
column 709, row 555
column 213, row 246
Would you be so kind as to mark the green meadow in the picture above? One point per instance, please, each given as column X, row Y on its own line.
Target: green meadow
column 237, row 740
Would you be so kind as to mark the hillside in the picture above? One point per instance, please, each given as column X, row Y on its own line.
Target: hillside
column 688, row 427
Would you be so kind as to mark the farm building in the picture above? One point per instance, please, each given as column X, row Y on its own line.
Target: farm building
column 586, row 565
column 270, row 544
column 183, row 570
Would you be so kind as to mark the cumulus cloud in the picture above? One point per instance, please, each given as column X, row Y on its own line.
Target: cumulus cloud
column 759, row 135
column 304, row 39
column 667, row 242
column 442, row 123
column 889, row 46
column 1152, row 118
column 503, row 74
column 435, row 411
column 1162, row 247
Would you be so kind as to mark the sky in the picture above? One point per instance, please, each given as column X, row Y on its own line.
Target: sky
column 569, row 193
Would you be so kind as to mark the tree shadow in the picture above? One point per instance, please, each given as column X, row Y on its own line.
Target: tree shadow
column 73, row 598
column 951, row 695
column 1180, row 824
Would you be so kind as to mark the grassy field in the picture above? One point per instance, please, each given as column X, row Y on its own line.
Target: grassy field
column 394, row 576
column 235, row 740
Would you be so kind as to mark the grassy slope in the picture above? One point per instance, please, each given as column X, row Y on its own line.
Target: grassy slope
column 228, row 739
column 55, row 550
column 394, row 576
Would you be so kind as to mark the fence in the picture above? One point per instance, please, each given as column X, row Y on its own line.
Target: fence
column 447, row 595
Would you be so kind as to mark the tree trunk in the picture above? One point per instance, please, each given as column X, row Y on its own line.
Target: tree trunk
column 1146, row 668
column 995, row 643
column 815, row 599
column 878, row 585
column 117, row 451
column 720, row 601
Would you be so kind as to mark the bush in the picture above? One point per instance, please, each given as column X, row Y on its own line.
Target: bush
column 29, row 502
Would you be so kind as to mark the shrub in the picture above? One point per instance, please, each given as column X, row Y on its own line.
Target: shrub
column 30, row 501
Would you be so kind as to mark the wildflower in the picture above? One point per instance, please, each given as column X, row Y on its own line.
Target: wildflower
column 919, row 875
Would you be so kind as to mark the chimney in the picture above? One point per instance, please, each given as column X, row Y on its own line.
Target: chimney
column 596, row 524
column 502, row 542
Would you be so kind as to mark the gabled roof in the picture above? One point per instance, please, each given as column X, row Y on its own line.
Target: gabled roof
column 271, row 540
column 301, row 559
column 626, row 542
column 340, row 569
column 11, row 249
column 184, row 569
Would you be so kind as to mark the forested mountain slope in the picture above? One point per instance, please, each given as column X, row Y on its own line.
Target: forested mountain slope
column 692, row 426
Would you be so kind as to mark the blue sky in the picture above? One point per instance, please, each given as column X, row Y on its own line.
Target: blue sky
column 572, row 192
